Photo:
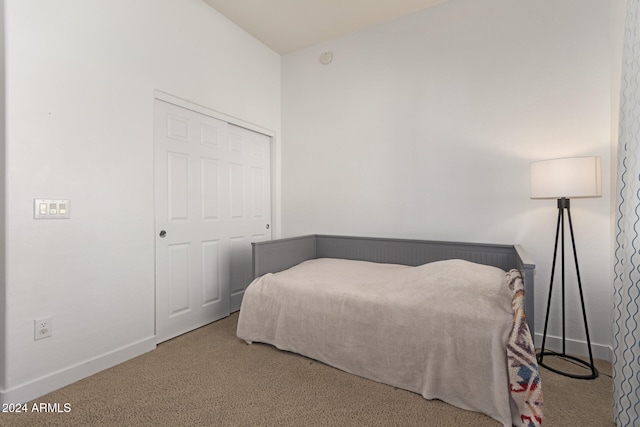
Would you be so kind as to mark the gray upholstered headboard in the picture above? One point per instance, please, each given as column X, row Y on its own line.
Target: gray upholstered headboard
column 277, row 255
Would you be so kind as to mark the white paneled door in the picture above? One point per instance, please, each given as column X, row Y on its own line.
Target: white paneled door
column 212, row 199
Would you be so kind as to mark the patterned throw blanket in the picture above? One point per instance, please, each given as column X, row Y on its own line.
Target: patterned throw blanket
column 524, row 378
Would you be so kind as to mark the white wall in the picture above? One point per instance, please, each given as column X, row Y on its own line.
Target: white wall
column 80, row 79
column 425, row 128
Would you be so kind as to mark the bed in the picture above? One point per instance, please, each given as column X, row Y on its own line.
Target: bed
column 445, row 320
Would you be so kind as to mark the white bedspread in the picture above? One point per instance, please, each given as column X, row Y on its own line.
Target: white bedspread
column 439, row 329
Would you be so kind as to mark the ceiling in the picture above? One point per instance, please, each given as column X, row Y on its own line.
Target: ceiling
column 289, row 25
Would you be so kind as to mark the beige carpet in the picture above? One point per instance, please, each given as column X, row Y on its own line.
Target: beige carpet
column 209, row 377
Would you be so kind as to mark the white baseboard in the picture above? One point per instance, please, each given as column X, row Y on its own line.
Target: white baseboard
column 575, row 347
column 39, row 387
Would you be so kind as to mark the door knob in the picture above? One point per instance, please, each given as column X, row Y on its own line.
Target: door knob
column 268, row 226
column 162, row 233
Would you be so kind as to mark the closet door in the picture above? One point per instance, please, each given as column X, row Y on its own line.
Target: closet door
column 249, row 204
column 212, row 199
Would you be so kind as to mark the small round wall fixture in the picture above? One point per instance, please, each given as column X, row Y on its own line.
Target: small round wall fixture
column 326, row 58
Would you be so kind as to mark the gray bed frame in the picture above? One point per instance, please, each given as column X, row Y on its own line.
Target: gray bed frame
column 277, row 255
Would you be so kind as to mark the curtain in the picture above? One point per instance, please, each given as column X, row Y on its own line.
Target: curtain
column 626, row 283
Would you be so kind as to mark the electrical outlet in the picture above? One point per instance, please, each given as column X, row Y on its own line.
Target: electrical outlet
column 42, row 328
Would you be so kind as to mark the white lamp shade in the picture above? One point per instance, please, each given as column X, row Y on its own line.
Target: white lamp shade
column 569, row 177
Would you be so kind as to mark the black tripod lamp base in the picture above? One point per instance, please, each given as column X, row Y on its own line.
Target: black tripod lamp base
column 591, row 376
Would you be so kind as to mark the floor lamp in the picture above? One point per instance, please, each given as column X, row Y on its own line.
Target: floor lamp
column 564, row 179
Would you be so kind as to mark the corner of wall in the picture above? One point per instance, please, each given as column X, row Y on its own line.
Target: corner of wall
column 2, row 201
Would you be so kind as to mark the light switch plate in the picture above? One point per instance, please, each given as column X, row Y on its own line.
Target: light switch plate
column 51, row 209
